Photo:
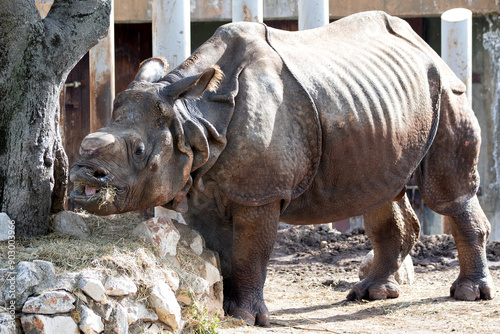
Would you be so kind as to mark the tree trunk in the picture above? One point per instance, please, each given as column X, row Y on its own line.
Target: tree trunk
column 35, row 58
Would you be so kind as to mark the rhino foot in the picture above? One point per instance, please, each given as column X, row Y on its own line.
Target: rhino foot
column 260, row 318
column 374, row 289
column 469, row 289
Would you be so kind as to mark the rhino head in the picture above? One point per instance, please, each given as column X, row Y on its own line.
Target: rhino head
column 145, row 154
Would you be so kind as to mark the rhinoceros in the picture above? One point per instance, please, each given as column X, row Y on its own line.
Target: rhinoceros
column 260, row 126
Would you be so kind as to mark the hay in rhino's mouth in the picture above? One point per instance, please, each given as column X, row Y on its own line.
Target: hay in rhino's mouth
column 103, row 195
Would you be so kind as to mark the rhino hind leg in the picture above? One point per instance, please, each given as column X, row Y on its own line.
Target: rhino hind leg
column 448, row 181
column 470, row 229
column 393, row 230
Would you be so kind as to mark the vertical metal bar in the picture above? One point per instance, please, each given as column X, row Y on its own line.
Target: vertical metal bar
column 102, row 78
column 248, row 10
column 172, row 30
column 313, row 13
column 456, row 44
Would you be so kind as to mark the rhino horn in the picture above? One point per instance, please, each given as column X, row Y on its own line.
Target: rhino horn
column 97, row 143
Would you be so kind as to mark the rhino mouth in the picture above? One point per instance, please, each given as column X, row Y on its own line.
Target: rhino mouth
column 93, row 191
column 104, row 195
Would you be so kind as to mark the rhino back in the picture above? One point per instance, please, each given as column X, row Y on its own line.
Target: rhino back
column 377, row 94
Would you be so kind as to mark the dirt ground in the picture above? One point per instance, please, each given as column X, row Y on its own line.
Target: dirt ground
column 312, row 270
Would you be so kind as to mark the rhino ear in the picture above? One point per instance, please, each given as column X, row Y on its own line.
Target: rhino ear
column 152, row 70
column 194, row 86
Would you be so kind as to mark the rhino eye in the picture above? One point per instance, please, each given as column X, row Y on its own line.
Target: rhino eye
column 140, row 149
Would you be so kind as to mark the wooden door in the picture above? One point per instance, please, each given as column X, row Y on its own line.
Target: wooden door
column 75, row 113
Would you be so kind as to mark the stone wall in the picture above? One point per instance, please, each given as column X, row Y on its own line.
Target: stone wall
column 110, row 298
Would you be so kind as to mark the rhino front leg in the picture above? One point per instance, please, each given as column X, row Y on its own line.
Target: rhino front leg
column 393, row 230
column 255, row 230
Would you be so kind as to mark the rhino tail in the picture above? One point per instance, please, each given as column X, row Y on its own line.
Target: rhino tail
column 435, row 93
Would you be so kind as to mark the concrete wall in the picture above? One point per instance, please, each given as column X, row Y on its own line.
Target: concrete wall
column 486, row 103
column 220, row 10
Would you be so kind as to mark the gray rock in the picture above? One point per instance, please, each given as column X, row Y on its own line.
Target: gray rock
column 172, row 279
column 103, row 310
column 324, row 227
column 33, row 278
column 6, row 227
column 404, row 275
column 197, row 244
column 211, row 257
column 119, row 321
column 64, row 281
column 282, row 226
column 91, row 323
column 81, row 296
column 149, row 328
column 185, row 298
column 51, row 281
column 210, row 273
column 137, row 311
column 47, row 269
column 191, row 238
column 161, row 232
column 93, row 288
column 217, row 296
column 28, row 276
column 7, row 285
column 119, row 286
column 51, row 302
column 162, row 212
column 197, row 284
column 71, row 223
column 7, row 324
column 165, row 304
column 42, row 324
column 173, row 261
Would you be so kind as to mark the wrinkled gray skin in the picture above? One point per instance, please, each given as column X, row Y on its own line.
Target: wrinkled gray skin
column 303, row 127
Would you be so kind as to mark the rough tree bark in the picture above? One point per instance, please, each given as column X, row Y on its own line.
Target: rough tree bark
column 35, row 58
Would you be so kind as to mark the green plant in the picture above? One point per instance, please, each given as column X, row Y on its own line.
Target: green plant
column 200, row 321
